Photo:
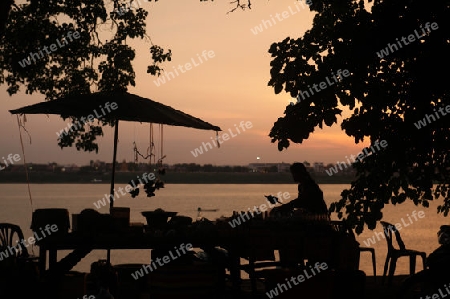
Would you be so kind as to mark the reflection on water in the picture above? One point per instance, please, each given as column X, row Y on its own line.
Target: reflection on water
column 226, row 198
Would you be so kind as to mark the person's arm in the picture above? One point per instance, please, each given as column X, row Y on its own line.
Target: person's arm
column 298, row 203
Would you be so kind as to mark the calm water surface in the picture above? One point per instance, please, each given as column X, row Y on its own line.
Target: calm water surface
column 15, row 207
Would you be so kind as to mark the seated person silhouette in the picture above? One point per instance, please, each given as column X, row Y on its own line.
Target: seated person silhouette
column 310, row 197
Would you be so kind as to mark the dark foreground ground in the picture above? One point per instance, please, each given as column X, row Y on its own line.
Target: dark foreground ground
column 377, row 290
column 374, row 289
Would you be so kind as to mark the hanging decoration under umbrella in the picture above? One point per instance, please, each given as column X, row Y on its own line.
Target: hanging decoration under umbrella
column 150, row 185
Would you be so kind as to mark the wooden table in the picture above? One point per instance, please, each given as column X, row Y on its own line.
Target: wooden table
column 311, row 242
column 118, row 240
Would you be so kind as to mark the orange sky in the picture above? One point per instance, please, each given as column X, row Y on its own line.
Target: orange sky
column 224, row 90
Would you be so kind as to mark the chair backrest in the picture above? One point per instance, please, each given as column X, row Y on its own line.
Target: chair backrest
column 388, row 229
column 9, row 235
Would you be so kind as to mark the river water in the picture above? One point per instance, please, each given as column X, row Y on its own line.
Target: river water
column 418, row 233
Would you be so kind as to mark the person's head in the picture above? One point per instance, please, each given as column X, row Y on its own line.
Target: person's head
column 299, row 172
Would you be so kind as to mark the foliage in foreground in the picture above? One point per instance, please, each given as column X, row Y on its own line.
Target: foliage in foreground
column 98, row 60
column 386, row 94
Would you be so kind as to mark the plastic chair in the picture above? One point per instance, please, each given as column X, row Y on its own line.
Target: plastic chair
column 393, row 254
column 15, row 261
column 9, row 234
column 341, row 226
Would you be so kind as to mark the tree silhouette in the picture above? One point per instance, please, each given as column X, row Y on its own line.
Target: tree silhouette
column 59, row 47
column 98, row 60
column 397, row 66
column 5, row 7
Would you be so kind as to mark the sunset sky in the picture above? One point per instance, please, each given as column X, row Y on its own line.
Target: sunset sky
column 226, row 89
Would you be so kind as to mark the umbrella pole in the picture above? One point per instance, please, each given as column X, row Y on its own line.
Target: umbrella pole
column 111, row 196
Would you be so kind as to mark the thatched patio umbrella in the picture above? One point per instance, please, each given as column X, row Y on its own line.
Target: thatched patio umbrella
column 115, row 106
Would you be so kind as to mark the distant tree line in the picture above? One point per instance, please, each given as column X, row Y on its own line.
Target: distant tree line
column 193, row 167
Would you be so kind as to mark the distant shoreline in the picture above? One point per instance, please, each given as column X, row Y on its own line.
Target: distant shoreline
column 168, row 178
